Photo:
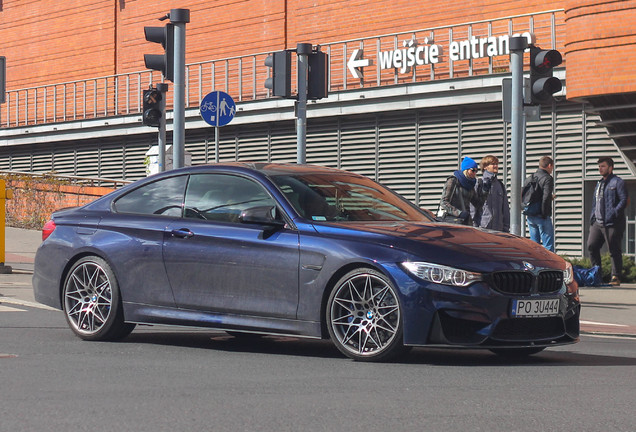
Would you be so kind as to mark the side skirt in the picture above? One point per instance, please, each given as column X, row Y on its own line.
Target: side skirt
column 146, row 314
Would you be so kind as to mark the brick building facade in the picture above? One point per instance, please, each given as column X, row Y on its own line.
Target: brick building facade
column 78, row 39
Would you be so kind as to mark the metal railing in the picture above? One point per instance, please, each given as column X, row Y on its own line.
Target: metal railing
column 243, row 77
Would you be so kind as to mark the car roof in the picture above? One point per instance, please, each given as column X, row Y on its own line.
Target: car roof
column 266, row 168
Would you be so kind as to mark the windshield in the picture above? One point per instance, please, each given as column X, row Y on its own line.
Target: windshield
column 345, row 197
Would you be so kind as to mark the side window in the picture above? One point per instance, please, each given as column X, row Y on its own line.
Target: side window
column 163, row 197
column 222, row 197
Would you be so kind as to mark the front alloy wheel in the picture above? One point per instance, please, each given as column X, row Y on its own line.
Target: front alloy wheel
column 364, row 316
column 91, row 301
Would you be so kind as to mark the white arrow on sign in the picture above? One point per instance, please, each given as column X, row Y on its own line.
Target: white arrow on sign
column 355, row 62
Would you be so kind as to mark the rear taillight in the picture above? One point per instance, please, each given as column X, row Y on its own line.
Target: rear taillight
column 48, row 229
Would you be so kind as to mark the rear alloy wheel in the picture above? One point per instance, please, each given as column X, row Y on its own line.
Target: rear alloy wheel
column 92, row 306
column 364, row 316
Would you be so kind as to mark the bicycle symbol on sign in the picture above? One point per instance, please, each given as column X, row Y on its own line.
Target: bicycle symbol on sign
column 208, row 106
column 217, row 108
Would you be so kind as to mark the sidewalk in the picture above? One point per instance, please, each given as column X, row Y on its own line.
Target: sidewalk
column 20, row 247
column 606, row 310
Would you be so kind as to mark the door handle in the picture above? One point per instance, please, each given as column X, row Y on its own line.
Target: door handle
column 182, row 233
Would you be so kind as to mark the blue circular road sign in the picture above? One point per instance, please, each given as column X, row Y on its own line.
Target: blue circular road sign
column 217, row 108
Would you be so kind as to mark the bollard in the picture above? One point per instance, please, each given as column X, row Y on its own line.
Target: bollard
column 5, row 194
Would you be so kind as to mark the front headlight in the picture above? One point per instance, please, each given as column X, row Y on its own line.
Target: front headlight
column 441, row 274
column 568, row 273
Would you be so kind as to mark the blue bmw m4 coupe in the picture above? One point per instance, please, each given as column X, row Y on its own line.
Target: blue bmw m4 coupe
column 299, row 250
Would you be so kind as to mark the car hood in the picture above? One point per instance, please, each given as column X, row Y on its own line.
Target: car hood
column 467, row 247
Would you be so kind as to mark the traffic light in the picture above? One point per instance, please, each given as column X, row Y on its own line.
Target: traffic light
column 152, row 112
column 318, row 70
column 279, row 81
column 161, row 62
column 542, row 84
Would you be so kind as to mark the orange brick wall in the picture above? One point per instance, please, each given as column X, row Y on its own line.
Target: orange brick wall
column 49, row 41
column 600, row 47
column 334, row 20
column 217, row 29
column 33, row 203
column 88, row 38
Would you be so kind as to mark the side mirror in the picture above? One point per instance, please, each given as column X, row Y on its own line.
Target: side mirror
column 262, row 215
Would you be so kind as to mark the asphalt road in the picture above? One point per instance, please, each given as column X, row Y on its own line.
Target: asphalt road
column 165, row 379
column 170, row 379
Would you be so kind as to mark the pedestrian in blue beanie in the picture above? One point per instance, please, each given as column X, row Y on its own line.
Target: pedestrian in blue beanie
column 459, row 193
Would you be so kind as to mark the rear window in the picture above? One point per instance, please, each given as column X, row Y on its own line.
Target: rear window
column 163, row 197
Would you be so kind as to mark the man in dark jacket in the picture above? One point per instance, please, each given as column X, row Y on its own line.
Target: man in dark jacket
column 459, row 193
column 540, row 226
column 495, row 213
column 607, row 222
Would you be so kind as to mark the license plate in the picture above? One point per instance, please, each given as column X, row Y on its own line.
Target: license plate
column 535, row 308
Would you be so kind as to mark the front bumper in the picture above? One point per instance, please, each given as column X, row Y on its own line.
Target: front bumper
column 452, row 328
column 480, row 317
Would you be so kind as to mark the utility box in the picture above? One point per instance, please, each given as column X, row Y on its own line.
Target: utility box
column 152, row 160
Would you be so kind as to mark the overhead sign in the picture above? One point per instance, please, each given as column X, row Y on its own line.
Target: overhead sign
column 425, row 52
column 217, row 108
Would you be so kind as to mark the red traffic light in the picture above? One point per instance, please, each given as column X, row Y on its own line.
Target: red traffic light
column 542, row 84
column 545, row 60
column 152, row 96
column 152, row 110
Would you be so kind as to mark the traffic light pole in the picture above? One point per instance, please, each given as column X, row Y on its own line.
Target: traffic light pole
column 161, row 141
column 303, row 50
column 517, row 47
column 179, row 17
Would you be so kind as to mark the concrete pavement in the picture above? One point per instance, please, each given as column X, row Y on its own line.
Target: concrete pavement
column 606, row 310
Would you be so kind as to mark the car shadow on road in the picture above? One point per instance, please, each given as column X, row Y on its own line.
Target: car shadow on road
column 248, row 343
column 469, row 357
column 300, row 347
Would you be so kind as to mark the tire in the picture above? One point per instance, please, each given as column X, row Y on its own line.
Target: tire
column 364, row 316
column 516, row 352
column 91, row 301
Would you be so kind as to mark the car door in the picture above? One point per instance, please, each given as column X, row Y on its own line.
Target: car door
column 214, row 262
column 132, row 239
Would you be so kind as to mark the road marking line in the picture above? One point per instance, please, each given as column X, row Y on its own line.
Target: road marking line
column 609, row 336
column 603, row 324
column 24, row 303
column 10, row 309
column 8, row 355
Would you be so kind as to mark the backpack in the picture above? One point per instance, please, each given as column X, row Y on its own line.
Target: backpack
column 531, row 197
column 587, row 277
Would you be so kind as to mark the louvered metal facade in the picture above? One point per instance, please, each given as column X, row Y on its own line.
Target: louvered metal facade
column 410, row 150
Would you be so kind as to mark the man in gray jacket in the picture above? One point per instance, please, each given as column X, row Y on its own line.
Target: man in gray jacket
column 495, row 213
column 607, row 221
